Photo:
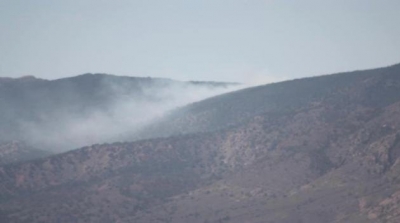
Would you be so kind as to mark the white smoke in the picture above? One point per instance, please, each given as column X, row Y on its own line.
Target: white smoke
column 126, row 115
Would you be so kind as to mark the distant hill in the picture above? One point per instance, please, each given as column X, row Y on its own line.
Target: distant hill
column 323, row 149
column 64, row 114
column 15, row 152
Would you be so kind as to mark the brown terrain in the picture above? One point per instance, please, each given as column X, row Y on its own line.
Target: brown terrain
column 323, row 149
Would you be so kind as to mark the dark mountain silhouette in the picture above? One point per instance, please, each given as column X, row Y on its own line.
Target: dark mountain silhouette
column 62, row 114
column 322, row 149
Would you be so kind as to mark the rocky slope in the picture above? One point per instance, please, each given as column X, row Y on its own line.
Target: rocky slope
column 327, row 151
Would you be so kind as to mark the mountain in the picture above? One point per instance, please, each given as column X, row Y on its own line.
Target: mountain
column 237, row 107
column 63, row 114
column 321, row 149
column 14, row 151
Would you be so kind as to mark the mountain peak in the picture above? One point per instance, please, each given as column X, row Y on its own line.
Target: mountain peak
column 28, row 77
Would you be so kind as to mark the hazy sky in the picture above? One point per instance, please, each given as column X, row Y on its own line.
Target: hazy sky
column 228, row 40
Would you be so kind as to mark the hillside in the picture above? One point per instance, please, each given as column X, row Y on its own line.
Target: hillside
column 14, row 152
column 237, row 107
column 64, row 114
column 323, row 149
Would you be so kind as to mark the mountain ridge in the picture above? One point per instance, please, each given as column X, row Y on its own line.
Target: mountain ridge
column 68, row 113
column 333, row 157
column 231, row 113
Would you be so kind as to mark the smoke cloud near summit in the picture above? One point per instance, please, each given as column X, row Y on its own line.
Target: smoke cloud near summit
column 106, row 111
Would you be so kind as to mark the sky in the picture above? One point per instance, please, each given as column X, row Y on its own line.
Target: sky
column 248, row 41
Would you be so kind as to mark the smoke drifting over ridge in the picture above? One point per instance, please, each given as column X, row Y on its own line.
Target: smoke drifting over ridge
column 73, row 112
